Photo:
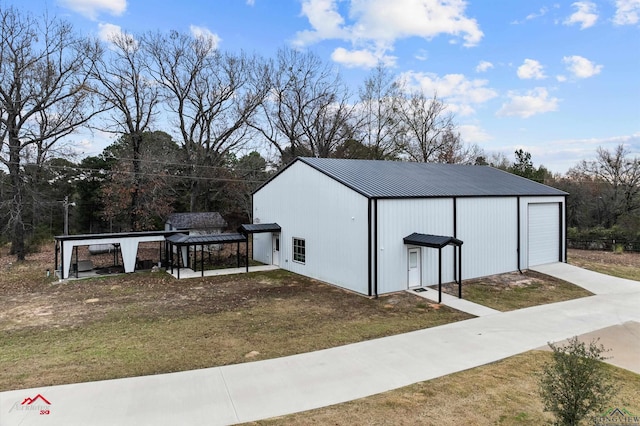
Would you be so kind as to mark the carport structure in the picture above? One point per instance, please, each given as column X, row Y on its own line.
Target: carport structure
column 185, row 244
column 127, row 242
column 439, row 242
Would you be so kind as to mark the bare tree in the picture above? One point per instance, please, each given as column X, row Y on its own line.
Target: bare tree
column 327, row 124
column 44, row 96
column 429, row 131
column 621, row 175
column 130, row 94
column 306, row 107
column 211, row 95
column 379, row 125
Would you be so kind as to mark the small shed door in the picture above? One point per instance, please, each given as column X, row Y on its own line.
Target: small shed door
column 413, row 266
column 275, row 259
column 544, row 233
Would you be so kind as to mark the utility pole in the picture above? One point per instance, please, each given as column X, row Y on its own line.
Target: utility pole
column 66, row 204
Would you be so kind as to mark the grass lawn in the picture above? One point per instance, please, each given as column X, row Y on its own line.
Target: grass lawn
column 148, row 323
column 507, row 292
column 502, row 393
column 622, row 265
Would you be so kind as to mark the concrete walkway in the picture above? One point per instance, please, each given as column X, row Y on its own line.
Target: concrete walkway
column 453, row 302
column 262, row 389
column 184, row 273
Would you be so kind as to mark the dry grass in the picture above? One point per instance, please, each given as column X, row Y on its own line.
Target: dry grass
column 502, row 393
column 622, row 265
column 136, row 324
column 147, row 323
column 507, row 292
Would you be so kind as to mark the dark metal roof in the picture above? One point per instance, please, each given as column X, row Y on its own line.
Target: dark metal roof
column 427, row 240
column 204, row 220
column 186, row 240
column 401, row 179
column 255, row 228
column 113, row 235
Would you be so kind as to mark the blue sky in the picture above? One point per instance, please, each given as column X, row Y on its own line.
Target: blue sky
column 557, row 79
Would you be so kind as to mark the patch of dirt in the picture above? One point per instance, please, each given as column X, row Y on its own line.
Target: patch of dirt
column 28, row 298
column 501, row 281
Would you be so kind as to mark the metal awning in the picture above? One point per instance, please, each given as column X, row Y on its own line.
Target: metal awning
column 255, row 228
column 439, row 242
column 428, row 240
column 186, row 240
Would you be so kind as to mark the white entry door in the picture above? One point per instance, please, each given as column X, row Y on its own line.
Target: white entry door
column 275, row 259
column 413, row 267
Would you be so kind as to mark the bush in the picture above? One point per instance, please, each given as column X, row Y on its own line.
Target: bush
column 576, row 382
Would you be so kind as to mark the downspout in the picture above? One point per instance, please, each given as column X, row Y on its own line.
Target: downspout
column 455, row 217
column 375, row 246
column 561, row 226
column 369, row 248
column 566, row 258
column 519, row 237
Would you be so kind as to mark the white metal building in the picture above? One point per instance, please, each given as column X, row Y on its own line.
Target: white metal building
column 372, row 226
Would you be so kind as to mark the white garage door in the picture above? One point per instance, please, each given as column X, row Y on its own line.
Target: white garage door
column 544, row 231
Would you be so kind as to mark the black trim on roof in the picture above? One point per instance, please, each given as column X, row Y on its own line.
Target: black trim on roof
column 405, row 180
column 428, row 240
column 186, row 240
column 255, row 228
column 114, row 235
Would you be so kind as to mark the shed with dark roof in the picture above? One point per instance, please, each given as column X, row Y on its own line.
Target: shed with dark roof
column 351, row 222
column 204, row 221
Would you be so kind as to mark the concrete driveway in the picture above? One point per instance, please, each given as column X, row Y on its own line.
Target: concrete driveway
column 262, row 389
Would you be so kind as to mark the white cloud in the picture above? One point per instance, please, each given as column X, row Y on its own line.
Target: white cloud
column 561, row 78
column 543, row 11
column 535, row 15
column 460, row 93
column 586, row 14
column 561, row 155
column 202, row 32
column 531, row 69
column 536, row 101
column 360, row 58
column 627, row 12
column 472, row 133
column 377, row 24
column 91, row 8
column 113, row 34
column 581, row 67
column 422, row 55
column 107, row 32
column 251, row 2
column 325, row 19
column 484, row 66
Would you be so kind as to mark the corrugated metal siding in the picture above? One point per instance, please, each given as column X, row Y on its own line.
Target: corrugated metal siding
column 331, row 218
column 398, row 218
column 489, row 229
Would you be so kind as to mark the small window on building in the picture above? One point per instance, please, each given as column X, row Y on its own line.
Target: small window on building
column 299, row 252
